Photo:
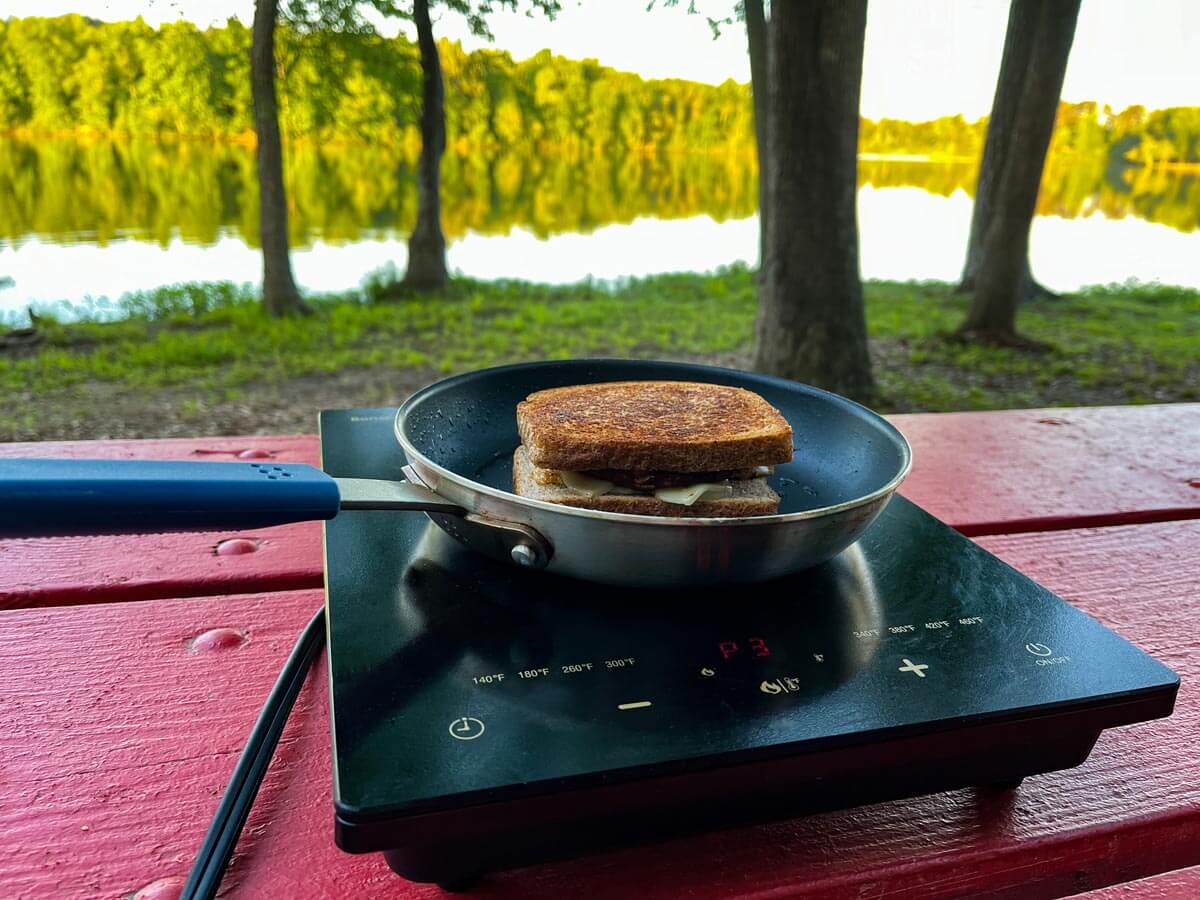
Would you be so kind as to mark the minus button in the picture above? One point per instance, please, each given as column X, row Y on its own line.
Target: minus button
column 639, row 704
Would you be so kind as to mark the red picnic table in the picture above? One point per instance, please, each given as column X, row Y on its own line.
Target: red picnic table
column 132, row 668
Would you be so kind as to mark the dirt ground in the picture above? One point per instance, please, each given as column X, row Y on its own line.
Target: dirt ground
column 103, row 410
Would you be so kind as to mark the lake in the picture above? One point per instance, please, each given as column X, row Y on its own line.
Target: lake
column 95, row 220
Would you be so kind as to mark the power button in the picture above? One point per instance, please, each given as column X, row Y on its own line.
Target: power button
column 1038, row 649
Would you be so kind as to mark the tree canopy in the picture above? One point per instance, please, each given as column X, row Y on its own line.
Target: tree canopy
column 73, row 74
column 126, row 77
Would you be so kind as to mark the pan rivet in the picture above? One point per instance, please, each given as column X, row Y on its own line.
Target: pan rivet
column 524, row 555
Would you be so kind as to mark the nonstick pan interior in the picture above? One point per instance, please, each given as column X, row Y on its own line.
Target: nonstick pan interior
column 844, row 452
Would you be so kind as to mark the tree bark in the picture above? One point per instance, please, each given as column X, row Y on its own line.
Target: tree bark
column 427, row 245
column 280, row 295
column 1031, row 288
column 756, row 41
column 1036, row 46
column 811, row 322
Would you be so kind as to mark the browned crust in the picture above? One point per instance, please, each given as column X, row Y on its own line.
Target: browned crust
column 666, row 426
column 751, row 498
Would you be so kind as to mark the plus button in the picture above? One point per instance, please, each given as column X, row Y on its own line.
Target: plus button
column 917, row 669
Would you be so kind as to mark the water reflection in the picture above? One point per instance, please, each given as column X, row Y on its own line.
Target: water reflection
column 103, row 218
column 70, row 191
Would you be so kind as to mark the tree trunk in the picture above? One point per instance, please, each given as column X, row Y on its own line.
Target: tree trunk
column 811, row 322
column 1036, row 47
column 1031, row 288
column 426, row 245
column 756, row 40
column 280, row 296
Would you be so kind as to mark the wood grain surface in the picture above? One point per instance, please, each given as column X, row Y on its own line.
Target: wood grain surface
column 1182, row 884
column 1047, row 469
column 985, row 473
column 122, row 723
column 70, row 571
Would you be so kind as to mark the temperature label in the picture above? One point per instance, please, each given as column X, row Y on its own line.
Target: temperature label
column 618, row 663
column 495, row 678
column 534, row 673
column 941, row 624
column 971, row 620
column 867, row 633
column 576, row 668
column 901, row 629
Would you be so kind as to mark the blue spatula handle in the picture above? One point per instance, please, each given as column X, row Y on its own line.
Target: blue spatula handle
column 48, row 497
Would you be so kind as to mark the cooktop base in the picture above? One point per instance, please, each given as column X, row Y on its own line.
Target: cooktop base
column 486, row 717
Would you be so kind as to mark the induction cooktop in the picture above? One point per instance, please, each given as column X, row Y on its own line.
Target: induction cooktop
column 486, row 717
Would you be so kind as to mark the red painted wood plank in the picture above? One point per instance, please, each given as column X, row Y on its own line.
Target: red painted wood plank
column 70, row 571
column 990, row 472
column 1048, row 469
column 1182, row 884
column 118, row 739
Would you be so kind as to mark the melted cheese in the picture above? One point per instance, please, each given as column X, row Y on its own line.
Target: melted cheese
column 689, row 494
column 585, row 484
column 685, row 495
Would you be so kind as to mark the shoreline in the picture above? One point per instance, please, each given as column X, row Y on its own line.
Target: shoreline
column 405, row 144
column 105, row 311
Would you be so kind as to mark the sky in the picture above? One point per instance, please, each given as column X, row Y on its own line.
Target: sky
column 922, row 59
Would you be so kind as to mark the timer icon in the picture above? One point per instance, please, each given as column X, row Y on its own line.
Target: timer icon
column 466, row 728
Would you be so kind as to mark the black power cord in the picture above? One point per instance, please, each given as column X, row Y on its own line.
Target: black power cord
column 217, row 848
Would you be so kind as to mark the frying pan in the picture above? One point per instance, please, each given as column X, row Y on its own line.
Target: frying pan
column 458, row 436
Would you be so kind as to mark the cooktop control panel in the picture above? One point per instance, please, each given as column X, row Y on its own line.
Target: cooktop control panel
column 456, row 679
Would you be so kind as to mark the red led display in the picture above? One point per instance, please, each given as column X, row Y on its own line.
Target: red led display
column 758, row 647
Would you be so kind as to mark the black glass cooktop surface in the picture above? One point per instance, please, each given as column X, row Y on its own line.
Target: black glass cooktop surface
column 458, row 682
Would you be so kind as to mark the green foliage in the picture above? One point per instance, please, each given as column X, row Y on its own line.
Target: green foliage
column 76, row 74
column 73, row 73
column 1081, row 131
column 1120, row 343
column 950, row 137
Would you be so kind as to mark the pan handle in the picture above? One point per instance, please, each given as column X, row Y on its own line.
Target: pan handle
column 59, row 497
column 373, row 493
column 56, row 497
column 62, row 497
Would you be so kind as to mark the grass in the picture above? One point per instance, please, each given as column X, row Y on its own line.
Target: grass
column 203, row 347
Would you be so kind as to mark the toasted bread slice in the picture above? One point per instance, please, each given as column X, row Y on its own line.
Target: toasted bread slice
column 752, row 497
column 660, row 426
